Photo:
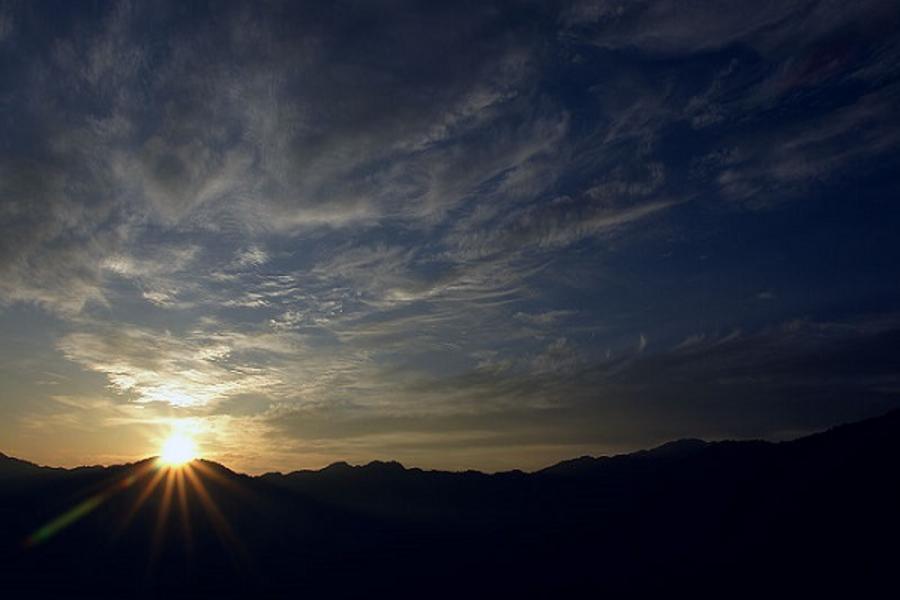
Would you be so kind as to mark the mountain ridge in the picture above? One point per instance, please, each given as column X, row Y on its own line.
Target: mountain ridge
column 671, row 449
column 815, row 514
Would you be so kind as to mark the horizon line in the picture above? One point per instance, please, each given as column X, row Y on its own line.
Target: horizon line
column 469, row 470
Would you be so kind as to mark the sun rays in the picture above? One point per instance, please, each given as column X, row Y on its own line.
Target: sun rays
column 178, row 485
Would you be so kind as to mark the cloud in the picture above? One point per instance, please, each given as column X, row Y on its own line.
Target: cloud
column 52, row 245
column 672, row 27
column 251, row 256
column 6, row 24
column 602, row 209
column 285, row 136
column 558, row 357
column 774, row 166
column 319, row 221
column 551, row 317
column 642, row 343
column 186, row 371
column 736, row 385
column 783, row 358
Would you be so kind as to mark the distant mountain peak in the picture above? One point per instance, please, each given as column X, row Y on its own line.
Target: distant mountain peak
column 675, row 448
column 337, row 467
column 13, row 467
column 376, row 465
column 867, row 430
column 385, row 466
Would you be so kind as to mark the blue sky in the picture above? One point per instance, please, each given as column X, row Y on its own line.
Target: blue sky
column 458, row 234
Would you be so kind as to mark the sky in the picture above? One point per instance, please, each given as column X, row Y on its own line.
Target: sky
column 459, row 235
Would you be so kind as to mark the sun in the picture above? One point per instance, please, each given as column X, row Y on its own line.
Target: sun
column 177, row 450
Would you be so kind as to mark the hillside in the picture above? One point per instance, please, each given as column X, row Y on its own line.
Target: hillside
column 814, row 514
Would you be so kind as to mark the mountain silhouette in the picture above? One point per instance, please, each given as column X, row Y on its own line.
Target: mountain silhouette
column 14, row 467
column 814, row 515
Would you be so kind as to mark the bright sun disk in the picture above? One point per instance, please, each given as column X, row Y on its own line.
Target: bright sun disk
column 177, row 450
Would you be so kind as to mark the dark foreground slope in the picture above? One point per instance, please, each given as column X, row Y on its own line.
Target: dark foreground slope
column 819, row 514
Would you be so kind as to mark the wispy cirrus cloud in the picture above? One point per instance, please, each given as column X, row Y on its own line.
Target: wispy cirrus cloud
column 181, row 371
column 486, row 218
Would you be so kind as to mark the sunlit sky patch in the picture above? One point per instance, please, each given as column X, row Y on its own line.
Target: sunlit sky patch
column 462, row 235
